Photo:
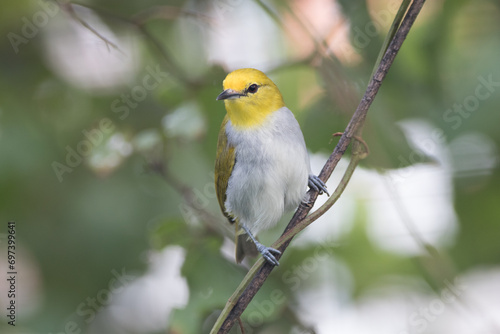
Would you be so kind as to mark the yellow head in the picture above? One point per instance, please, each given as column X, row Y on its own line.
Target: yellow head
column 250, row 96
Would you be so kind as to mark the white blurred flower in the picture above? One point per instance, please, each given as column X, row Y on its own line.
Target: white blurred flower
column 244, row 36
column 144, row 306
column 468, row 304
column 83, row 59
column 186, row 121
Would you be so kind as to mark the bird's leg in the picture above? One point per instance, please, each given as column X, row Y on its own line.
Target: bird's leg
column 267, row 252
column 317, row 184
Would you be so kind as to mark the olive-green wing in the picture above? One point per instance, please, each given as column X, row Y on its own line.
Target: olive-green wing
column 224, row 164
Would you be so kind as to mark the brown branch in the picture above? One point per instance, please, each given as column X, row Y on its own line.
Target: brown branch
column 355, row 125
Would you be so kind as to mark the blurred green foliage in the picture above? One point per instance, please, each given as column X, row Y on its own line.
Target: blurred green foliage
column 113, row 208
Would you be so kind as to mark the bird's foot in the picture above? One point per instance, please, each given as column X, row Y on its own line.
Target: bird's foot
column 267, row 253
column 317, row 184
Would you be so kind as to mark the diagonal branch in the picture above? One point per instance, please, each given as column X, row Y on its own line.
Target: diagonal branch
column 139, row 22
column 260, row 271
column 68, row 8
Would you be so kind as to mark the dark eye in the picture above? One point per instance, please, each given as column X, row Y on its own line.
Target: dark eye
column 253, row 88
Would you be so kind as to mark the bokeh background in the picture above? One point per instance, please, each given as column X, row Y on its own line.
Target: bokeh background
column 108, row 129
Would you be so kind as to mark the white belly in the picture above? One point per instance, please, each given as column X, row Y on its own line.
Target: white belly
column 271, row 171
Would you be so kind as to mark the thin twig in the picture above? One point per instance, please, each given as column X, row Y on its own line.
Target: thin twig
column 139, row 22
column 241, row 326
column 392, row 31
column 168, row 13
column 235, row 308
column 187, row 194
column 68, row 8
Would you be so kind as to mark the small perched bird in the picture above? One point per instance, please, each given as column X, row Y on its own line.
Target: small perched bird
column 262, row 166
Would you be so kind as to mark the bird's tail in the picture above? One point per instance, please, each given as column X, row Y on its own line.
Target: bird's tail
column 244, row 245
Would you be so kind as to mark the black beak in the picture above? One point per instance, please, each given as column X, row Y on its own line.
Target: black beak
column 229, row 94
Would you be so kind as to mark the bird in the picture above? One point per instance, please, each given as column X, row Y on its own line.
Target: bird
column 262, row 167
